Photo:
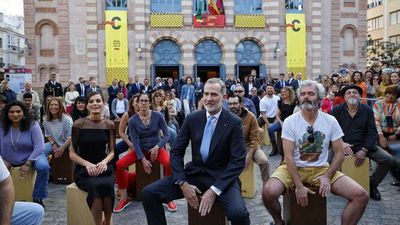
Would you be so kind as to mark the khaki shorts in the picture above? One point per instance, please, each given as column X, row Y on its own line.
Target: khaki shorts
column 307, row 175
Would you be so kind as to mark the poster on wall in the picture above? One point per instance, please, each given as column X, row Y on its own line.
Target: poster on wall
column 17, row 77
column 296, row 43
column 116, row 28
column 208, row 13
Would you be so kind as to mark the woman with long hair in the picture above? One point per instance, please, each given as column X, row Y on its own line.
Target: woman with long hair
column 92, row 149
column 357, row 78
column 57, row 128
column 79, row 110
column 158, row 105
column 286, row 106
column 394, row 78
column 144, row 132
column 188, row 96
column 22, row 145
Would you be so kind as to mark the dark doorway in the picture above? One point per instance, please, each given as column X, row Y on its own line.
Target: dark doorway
column 167, row 71
column 246, row 70
column 207, row 72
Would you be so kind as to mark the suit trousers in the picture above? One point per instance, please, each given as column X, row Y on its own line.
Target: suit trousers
column 165, row 190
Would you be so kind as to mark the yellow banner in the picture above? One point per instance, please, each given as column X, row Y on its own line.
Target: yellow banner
column 116, row 27
column 296, row 43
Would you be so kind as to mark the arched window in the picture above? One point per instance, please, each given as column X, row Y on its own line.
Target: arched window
column 248, row 52
column 46, row 38
column 348, row 40
column 208, row 52
column 166, row 52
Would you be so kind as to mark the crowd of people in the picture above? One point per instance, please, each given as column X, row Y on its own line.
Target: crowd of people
column 351, row 113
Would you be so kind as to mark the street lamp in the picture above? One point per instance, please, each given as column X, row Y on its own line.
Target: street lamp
column 139, row 50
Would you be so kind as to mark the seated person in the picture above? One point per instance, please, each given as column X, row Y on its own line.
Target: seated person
column 18, row 213
column 306, row 136
column 358, row 125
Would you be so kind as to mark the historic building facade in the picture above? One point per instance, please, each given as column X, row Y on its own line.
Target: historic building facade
column 200, row 38
column 12, row 42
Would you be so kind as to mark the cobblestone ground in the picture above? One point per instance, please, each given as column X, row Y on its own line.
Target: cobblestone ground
column 385, row 212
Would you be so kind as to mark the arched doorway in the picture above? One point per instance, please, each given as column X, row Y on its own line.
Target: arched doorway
column 248, row 57
column 208, row 55
column 166, row 57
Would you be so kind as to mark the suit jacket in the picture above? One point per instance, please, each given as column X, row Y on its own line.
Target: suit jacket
column 52, row 90
column 133, row 89
column 79, row 89
column 149, row 90
column 256, row 101
column 227, row 153
column 278, row 86
column 98, row 90
column 112, row 94
column 295, row 84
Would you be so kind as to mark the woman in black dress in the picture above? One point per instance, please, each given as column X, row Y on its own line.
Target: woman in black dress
column 92, row 149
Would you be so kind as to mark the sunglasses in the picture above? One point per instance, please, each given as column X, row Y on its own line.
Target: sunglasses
column 144, row 100
column 311, row 137
column 238, row 91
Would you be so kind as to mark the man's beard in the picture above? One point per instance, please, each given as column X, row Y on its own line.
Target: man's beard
column 308, row 105
column 235, row 111
column 352, row 101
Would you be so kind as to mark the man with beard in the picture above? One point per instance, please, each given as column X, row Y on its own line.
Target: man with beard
column 218, row 158
column 251, row 137
column 306, row 136
column 268, row 106
column 240, row 91
column 360, row 134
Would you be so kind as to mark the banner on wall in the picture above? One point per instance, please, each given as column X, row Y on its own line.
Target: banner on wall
column 209, row 13
column 296, row 43
column 116, row 45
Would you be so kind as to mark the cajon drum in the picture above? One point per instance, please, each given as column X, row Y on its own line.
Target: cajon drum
column 248, row 182
column 215, row 217
column 359, row 174
column 267, row 141
column 143, row 179
column 23, row 186
column 279, row 141
column 314, row 213
column 62, row 169
column 78, row 211
column 116, row 123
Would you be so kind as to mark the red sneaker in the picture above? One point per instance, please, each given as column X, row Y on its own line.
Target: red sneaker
column 171, row 206
column 122, row 204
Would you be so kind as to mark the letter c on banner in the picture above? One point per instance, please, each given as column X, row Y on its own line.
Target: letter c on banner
column 294, row 22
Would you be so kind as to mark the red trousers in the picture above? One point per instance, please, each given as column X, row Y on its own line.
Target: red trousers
column 131, row 158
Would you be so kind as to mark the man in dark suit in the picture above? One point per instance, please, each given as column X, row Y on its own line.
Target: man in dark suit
column 81, row 87
column 280, row 83
column 297, row 82
column 147, row 87
column 112, row 93
column 94, row 87
column 52, row 88
column 135, row 88
column 218, row 158
column 199, row 87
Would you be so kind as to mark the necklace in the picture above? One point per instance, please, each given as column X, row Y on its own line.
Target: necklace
column 16, row 141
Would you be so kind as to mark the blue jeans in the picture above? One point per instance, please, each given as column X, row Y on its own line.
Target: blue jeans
column 42, row 168
column 27, row 213
column 276, row 126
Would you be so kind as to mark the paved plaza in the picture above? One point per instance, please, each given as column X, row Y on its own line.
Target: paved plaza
column 385, row 212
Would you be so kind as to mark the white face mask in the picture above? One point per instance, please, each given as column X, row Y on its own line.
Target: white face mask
column 352, row 101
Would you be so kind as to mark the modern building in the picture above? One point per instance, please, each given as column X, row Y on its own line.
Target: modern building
column 200, row 38
column 12, row 42
column 384, row 20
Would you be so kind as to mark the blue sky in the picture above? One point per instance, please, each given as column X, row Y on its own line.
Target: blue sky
column 12, row 7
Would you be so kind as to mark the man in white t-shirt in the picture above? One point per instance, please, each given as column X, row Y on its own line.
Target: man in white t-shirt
column 20, row 213
column 306, row 136
column 269, row 105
